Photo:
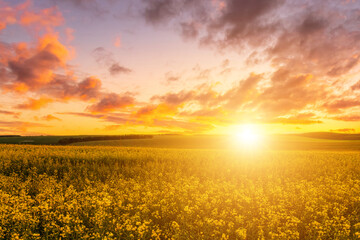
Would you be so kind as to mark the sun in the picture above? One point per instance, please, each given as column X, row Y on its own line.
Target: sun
column 248, row 136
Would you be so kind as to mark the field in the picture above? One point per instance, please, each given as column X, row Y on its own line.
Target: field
column 104, row 192
column 271, row 142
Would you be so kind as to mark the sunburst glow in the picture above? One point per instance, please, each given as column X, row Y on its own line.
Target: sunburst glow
column 248, row 136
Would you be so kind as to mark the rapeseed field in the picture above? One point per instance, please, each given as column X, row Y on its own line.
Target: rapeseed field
column 70, row 192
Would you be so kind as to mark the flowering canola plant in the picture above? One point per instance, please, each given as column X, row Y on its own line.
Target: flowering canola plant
column 52, row 192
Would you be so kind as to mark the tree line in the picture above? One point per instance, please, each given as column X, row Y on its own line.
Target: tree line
column 66, row 141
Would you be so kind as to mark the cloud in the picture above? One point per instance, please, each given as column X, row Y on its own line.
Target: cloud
column 50, row 117
column 310, row 46
column 35, row 104
column 348, row 118
column 244, row 92
column 45, row 18
column 244, row 21
column 294, row 120
column 115, row 69
column 112, row 127
column 64, row 88
column 340, row 104
column 344, row 130
column 312, row 32
column 89, row 88
column 106, row 58
column 158, row 11
column 175, row 98
column 171, row 77
column 118, row 118
column 190, row 30
column 12, row 131
column 35, row 68
column 356, row 86
column 146, row 110
column 11, row 113
column 102, row 56
column 41, row 68
column 253, row 98
column 130, row 120
column 112, row 102
column 288, row 92
column 24, row 14
column 20, row 125
column 224, row 21
column 10, row 14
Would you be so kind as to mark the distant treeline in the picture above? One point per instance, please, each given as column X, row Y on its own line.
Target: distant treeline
column 10, row 135
column 66, row 141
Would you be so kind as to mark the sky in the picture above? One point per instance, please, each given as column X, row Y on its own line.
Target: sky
column 179, row 66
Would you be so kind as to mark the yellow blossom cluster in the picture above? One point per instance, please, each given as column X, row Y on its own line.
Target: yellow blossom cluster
column 53, row 192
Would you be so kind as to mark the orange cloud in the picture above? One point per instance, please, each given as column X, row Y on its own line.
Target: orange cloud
column 131, row 120
column 294, row 120
column 348, row 118
column 50, row 117
column 35, row 104
column 150, row 113
column 37, row 68
column 11, row 113
column 338, row 104
column 307, row 75
column 112, row 102
column 344, row 130
column 45, row 18
column 8, row 14
column 8, row 17
column 23, row 14
column 20, row 125
column 89, row 88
